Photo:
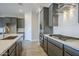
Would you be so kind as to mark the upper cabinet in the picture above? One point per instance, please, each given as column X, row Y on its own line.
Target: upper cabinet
column 1, row 22
column 53, row 16
column 20, row 23
column 44, row 20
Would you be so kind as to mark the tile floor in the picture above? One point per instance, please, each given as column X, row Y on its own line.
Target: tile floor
column 32, row 49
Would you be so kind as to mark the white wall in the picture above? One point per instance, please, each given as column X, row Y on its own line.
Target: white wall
column 35, row 26
column 68, row 23
column 28, row 27
column 32, row 26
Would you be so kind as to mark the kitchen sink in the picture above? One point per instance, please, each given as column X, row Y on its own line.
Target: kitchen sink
column 9, row 38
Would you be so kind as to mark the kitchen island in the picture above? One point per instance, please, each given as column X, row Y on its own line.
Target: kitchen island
column 7, row 46
column 60, row 45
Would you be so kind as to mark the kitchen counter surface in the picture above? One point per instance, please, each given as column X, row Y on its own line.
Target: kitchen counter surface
column 6, row 44
column 74, row 43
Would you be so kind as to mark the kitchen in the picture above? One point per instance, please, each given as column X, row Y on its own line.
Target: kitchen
column 39, row 29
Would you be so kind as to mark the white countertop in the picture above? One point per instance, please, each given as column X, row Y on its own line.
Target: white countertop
column 6, row 44
column 71, row 42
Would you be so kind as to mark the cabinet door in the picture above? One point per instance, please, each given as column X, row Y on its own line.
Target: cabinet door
column 41, row 40
column 42, row 20
column 54, row 50
column 66, row 54
column 12, row 49
column 71, row 51
column 41, row 43
column 13, row 53
column 45, row 45
column 6, row 54
column 19, row 46
column 51, row 15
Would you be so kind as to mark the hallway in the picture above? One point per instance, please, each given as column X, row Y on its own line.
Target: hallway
column 32, row 49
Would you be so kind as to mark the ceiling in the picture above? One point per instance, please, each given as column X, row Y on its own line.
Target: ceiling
column 18, row 9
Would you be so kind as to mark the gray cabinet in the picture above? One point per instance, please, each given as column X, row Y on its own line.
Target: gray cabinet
column 71, row 51
column 11, row 51
column 66, row 54
column 44, row 20
column 41, row 40
column 20, row 23
column 53, row 50
column 19, row 46
column 53, row 17
column 6, row 54
column 1, row 25
column 15, row 49
column 1, row 22
column 46, row 44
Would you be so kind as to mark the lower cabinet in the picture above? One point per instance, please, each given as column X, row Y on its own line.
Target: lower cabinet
column 19, row 46
column 15, row 49
column 46, row 45
column 12, row 50
column 70, row 51
column 54, row 50
column 13, row 53
column 41, row 40
column 66, row 54
column 5, row 54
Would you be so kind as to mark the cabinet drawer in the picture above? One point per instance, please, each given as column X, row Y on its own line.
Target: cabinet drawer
column 54, row 50
column 58, row 44
column 71, row 51
column 66, row 54
column 45, row 45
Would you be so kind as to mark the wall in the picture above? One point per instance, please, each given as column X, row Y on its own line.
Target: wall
column 35, row 25
column 32, row 26
column 28, row 27
column 68, row 23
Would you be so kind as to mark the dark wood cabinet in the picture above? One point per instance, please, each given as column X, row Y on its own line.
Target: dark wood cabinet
column 56, row 48
column 53, row 16
column 66, row 54
column 20, row 23
column 19, row 46
column 6, row 54
column 71, row 51
column 53, row 50
column 44, row 20
column 12, row 50
column 13, row 53
column 15, row 49
column 46, row 44
column 41, row 40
